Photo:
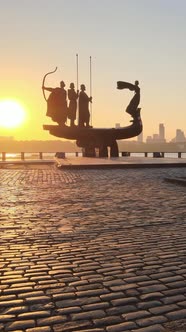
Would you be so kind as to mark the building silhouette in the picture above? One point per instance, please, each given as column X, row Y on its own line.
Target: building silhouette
column 140, row 138
column 157, row 138
column 162, row 133
column 180, row 137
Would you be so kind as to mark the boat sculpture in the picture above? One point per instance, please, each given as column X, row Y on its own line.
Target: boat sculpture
column 90, row 139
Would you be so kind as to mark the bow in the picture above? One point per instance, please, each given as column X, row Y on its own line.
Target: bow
column 50, row 72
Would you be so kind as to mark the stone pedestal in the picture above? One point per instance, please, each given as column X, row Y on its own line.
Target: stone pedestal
column 100, row 150
column 89, row 151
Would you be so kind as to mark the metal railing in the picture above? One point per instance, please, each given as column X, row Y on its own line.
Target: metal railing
column 19, row 155
column 153, row 154
column 41, row 156
column 38, row 156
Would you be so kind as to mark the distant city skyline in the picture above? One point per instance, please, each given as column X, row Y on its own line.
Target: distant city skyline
column 161, row 136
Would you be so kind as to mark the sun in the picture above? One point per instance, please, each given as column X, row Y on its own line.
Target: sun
column 12, row 114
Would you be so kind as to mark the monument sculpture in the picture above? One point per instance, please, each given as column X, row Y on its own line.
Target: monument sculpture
column 88, row 137
column 72, row 108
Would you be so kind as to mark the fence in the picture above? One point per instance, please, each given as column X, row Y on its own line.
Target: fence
column 43, row 156
column 154, row 154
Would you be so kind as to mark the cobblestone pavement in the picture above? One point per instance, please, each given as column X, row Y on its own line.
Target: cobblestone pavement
column 92, row 250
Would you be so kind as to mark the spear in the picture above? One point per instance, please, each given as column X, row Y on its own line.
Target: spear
column 77, row 83
column 77, row 71
column 91, row 89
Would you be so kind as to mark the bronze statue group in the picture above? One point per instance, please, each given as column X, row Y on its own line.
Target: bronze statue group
column 62, row 105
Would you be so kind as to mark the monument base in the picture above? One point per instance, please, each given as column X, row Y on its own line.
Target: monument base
column 95, row 142
column 100, row 151
column 89, row 151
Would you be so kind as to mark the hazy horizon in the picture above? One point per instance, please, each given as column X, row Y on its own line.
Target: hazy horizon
column 58, row 145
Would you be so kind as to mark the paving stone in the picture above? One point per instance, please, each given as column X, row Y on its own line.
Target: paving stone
column 41, row 306
column 169, row 269
column 51, row 320
column 11, row 303
column 114, row 282
column 161, row 275
column 17, row 290
column 175, row 291
column 40, row 329
column 14, row 281
column 120, row 310
column 137, row 279
column 148, row 283
column 173, row 299
column 163, row 309
column 181, row 272
column 151, row 296
column 8, row 297
column 136, row 315
column 110, row 320
column 6, row 318
column 23, row 285
column 182, row 304
column 69, row 310
column 14, row 330
column 124, row 301
column 151, row 320
column 153, row 328
column 126, row 326
column 16, row 310
column 149, row 304
column 92, row 292
column 37, row 299
column 23, row 324
column 171, row 279
column 77, row 302
column 123, row 287
column 78, row 282
column 95, row 306
column 88, row 315
column 63, row 296
column 111, row 296
column 71, row 326
column 34, row 314
column 132, row 292
column 178, row 314
column 92, row 330
column 151, row 289
column 31, row 294
column 176, row 284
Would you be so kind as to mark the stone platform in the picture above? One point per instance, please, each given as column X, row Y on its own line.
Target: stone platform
column 121, row 162
column 92, row 250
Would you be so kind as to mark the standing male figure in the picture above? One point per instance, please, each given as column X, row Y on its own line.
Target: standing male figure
column 72, row 96
column 84, row 114
column 57, row 104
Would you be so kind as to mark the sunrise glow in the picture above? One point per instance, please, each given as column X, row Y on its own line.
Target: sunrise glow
column 12, row 114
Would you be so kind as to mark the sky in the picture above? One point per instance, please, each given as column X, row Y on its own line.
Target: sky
column 127, row 40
